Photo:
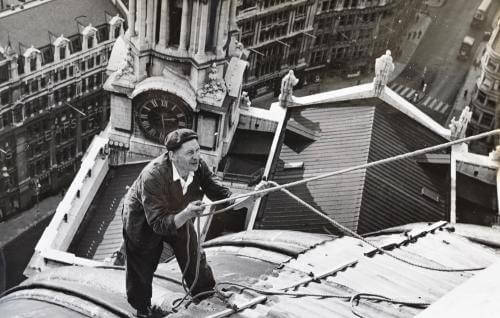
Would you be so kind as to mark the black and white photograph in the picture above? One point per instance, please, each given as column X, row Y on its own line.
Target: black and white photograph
column 249, row 158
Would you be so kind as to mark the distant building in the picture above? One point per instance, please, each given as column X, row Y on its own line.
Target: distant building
column 486, row 95
column 318, row 36
column 279, row 35
column 351, row 33
column 52, row 54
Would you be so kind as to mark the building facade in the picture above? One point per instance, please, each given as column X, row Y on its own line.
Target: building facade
column 486, row 94
column 320, row 35
column 51, row 97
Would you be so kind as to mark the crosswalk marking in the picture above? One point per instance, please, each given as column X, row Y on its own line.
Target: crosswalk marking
column 410, row 93
column 438, row 106
column 427, row 100
column 445, row 108
column 404, row 91
column 434, row 102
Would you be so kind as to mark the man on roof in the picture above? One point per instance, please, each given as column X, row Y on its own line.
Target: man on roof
column 159, row 207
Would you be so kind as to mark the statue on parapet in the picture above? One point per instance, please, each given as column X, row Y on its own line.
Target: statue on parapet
column 287, row 84
column 459, row 127
column 245, row 100
column 383, row 69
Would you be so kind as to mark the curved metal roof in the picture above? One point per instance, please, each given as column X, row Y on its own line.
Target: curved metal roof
column 277, row 260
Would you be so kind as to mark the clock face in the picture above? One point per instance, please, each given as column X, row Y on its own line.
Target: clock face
column 158, row 113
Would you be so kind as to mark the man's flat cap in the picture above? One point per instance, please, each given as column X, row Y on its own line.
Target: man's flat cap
column 176, row 138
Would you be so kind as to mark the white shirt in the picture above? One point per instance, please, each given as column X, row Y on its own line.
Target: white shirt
column 184, row 183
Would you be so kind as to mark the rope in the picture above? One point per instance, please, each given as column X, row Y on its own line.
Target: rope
column 353, row 168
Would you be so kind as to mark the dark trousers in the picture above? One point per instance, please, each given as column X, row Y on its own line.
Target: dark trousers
column 142, row 263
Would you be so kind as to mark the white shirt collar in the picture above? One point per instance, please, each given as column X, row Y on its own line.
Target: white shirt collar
column 184, row 183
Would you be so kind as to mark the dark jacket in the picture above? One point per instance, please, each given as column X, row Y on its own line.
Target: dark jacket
column 154, row 198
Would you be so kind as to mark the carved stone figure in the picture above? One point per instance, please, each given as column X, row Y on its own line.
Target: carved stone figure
column 127, row 70
column 245, row 100
column 215, row 88
column 287, row 84
column 459, row 127
column 383, row 69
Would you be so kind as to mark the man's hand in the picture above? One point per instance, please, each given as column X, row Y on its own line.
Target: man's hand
column 261, row 186
column 193, row 209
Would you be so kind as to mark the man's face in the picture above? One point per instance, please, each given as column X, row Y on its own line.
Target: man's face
column 187, row 157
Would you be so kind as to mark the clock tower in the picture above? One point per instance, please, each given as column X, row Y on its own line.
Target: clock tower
column 178, row 65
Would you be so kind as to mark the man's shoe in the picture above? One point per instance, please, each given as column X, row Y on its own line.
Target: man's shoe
column 144, row 313
column 117, row 259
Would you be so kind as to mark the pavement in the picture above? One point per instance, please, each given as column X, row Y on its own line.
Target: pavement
column 410, row 43
column 18, row 224
column 464, row 98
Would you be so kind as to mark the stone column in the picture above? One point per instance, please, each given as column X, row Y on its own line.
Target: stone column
column 149, row 19
column 141, row 21
column 194, row 27
column 164, row 24
column 131, row 18
column 184, row 26
column 202, row 38
column 223, row 31
column 232, row 16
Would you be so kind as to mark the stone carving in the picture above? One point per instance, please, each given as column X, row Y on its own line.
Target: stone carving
column 383, row 69
column 287, row 84
column 215, row 89
column 245, row 100
column 126, row 72
column 458, row 127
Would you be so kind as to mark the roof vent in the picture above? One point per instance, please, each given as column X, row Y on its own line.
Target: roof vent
column 293, row 165
column 433, row 195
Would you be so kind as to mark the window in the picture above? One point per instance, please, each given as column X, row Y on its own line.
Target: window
column 481, row 97
column 491, row 103
column 34, row 85
column 47, row 55
column 82, row 66
column 4, row 73
column 71, row 70
column 5, row 97
column 90, row 62
column 487, row 119
column 20, row 64
column 90, row 41
column 76, row 43
column 43, row 82
column 103, row 33
column 98, row 59
column 62, row 52
column 62, row 74
column 32, row 60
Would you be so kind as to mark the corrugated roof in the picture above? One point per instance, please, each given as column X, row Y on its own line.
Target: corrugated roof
column 100, row 234
column 348, row 266
column 31, row 26
column 344, row 140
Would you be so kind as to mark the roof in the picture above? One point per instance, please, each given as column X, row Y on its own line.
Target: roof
column 354, row 133
column 278, row 260
column 100, row 234
column 31, row 26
